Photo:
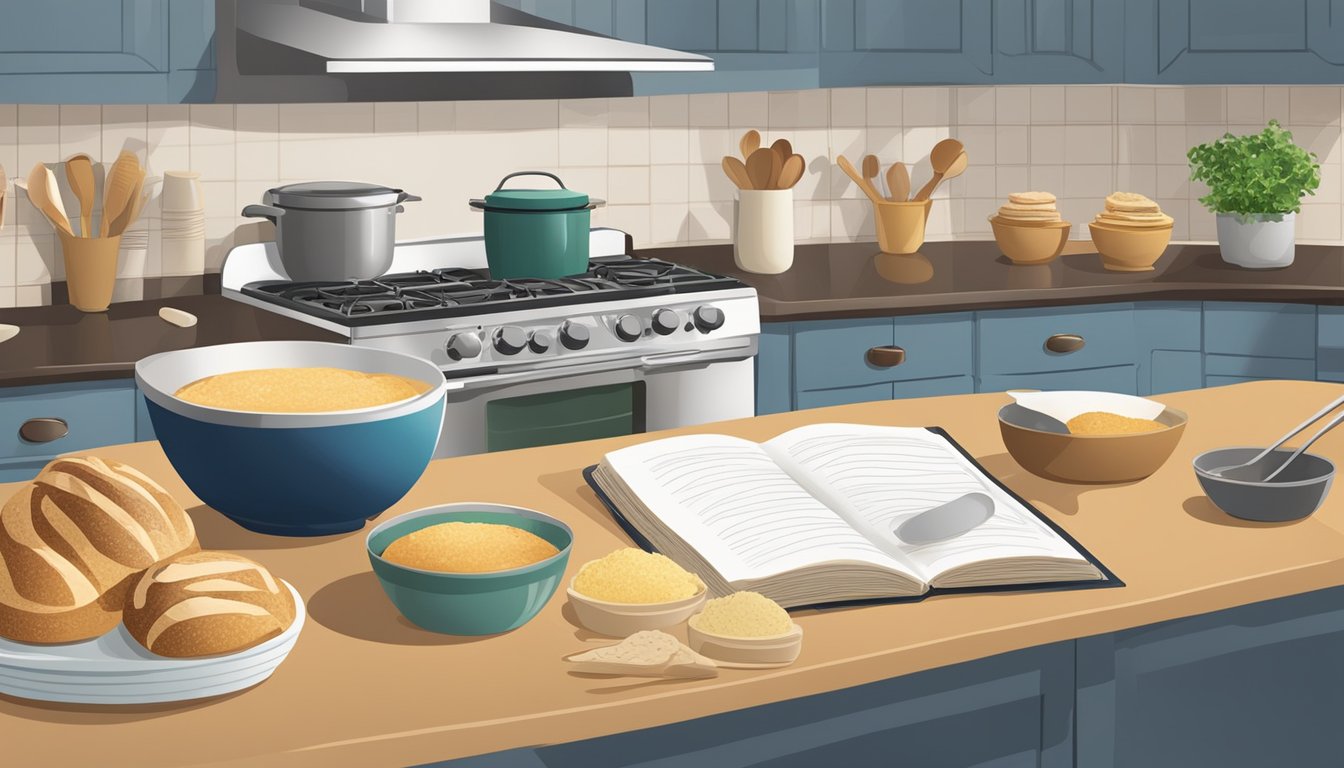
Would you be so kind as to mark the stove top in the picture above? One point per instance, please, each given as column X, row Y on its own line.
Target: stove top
column 458, row 292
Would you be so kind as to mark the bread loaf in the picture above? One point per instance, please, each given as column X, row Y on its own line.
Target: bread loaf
column 206, row 603
column 72, row 541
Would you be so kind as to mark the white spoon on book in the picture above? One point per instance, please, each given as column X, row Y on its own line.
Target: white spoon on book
column 946, row 521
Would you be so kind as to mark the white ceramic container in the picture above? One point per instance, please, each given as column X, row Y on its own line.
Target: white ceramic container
column 1257, row 241
column 182, row 191
column 763, row 230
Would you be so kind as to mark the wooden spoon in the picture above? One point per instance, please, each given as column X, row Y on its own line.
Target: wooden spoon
column 121, row 181
column 945, row 153
column 751, row 141
column 736, row 172
column 853, row 173
column 871, row 168
column 898, row 182
column 79, row 172
column 46, row 197
column 132, row 208
column 776, row 167
column 783, row 147
column 792, row 171
column 761, row 168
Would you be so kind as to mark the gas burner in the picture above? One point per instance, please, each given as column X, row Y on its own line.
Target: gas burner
column 454, row 292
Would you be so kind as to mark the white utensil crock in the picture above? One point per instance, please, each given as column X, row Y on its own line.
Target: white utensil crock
column 1257, row 241
column 763, row 230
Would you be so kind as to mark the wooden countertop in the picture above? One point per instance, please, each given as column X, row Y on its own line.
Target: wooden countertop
column 59, row 343
column 856, row 280
column 363, row 687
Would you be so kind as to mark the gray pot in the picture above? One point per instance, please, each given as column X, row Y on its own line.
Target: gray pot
column 333, row 230
column 1257, row 240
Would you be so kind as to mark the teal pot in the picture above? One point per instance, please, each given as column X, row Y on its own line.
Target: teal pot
column 537, row 233
column 1257, row 240
column 470, row 603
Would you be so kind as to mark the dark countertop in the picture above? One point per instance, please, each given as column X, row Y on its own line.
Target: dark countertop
column 856, row 280
column 59, row 343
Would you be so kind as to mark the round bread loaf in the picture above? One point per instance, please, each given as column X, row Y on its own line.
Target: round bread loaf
column 72, row 541
column 207, row 603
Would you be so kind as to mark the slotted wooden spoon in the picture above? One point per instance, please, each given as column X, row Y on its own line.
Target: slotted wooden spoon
column 120, row 186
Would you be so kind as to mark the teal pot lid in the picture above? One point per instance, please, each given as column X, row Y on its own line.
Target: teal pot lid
column 558, row 199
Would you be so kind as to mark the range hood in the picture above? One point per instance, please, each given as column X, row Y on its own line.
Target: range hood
column 429, row 36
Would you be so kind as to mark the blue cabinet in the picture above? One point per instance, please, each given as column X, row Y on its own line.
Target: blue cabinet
column 1170, row 341
column 1251, row 342
column 95, row 413
column 1013, row 349
column 1248, row 687
column 1234, row 41
column 1330, row 344
column 107, row 52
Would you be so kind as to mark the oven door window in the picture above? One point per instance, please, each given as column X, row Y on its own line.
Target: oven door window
column 564, row 417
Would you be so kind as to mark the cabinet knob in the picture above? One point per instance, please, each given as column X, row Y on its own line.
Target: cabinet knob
column 43, row 430
column 1064, row 343
column 885, row 357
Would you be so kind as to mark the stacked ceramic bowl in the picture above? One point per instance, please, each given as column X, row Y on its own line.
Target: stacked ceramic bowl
column 1028, row 228
column 1131, row 233
column 183, row 233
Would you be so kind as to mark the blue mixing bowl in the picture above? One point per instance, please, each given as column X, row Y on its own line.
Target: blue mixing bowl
column 471, row 603
column 294, row 474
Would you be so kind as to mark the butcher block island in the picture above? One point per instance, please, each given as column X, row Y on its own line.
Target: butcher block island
column 1222, row 648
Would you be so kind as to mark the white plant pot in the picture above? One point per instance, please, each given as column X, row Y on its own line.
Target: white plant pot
column 1257, row 240
column 763, row 230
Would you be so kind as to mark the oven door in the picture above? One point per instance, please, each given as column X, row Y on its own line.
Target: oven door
column 522, row 409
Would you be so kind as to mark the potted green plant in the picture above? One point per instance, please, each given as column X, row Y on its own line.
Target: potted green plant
column 1256, row 184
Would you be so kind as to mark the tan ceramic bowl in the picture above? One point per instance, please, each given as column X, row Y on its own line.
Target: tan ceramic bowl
column 1128, row 249
column 1091, row 458
column 749, row 652
column 1033, row 243
column 625, row 619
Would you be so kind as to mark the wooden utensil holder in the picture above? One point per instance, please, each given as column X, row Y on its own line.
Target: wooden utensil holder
column 90, row 269
column 763, row 230
column 900, row 225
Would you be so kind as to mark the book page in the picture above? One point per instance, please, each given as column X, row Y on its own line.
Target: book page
column 727, row 499
column 878, row 477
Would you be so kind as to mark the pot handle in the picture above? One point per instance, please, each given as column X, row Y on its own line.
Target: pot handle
column 406, row 197
column 264, row 212
column 530, row 173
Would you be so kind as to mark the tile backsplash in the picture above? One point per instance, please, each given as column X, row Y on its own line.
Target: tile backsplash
column 655, row 160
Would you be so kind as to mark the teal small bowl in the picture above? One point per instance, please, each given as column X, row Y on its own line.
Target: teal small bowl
column 470, row 603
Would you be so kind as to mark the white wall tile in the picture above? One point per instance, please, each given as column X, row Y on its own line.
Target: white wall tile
column 1047, row 104
column 976, row 106
column 1169, row 105
column 1088, row 144
column 707, row 110
column 884, row 106
column 1206, row 104
column 1246, row 105
column 849, row 107
column 1010, row 179
column 1314, row 105
column 926, row 106
column 583, row 146
column 668, row 184
column 1319, row 222
column 1277, row 98
column 1089, row 181
column 81, row 131
column 1088, row 103
column 628, row 146
column 1136, row 104
column 1012, row 105
column 1136, row 144
column 1012, row 145
column 799, row 109
column 981, row 143
column 669, row 111
column 669, row 146
column 519, row 115
column 1047, row 144
column 395, row 117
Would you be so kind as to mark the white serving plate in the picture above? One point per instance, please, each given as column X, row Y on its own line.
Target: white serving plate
column 115, row 669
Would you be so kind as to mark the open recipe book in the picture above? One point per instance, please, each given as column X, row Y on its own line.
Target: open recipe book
column 809, row 517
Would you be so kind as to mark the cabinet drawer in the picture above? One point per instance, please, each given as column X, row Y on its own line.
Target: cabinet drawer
column 1330, row 343
column 95, row 413
column 821, row 398
column 835, row 353
column 1260, row 330
column 1258, row 367
column 1115, row 378
column 1015, row 341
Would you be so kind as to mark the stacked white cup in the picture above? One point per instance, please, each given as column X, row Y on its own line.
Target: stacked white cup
column 183, row 232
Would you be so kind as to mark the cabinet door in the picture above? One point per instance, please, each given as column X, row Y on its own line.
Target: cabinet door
column 1007, row 711
column 774, row 369
column 1032, row 341
column 1111, row 378
column 1058, row 41
column 131, row 51
column 1260, row 330
column 1260, row 685
column 822, row 398
column 887, row 42
column 1170, row 341
column 1234, row 41
column 1330, row 344
column 94, row 413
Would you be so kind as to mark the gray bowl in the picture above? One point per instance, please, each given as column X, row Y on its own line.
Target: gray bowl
column 1295, row 493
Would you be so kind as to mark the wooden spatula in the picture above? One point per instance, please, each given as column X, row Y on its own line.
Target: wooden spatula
column 46, row 197
column 79, row 172
column 132, row 208
column 898, row 182
column 121, row 181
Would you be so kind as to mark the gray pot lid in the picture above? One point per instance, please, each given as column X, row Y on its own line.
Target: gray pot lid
column 334, row 195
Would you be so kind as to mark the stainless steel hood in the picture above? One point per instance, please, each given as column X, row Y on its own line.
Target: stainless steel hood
column 426, row 36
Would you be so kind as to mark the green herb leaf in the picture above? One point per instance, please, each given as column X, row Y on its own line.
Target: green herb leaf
column 1261, row 173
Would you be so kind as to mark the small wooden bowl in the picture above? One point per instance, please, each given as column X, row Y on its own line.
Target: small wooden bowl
column 625, row 619
column 747, row 652
column 1126, row 249
column 1073, row 458
column 1035, row 243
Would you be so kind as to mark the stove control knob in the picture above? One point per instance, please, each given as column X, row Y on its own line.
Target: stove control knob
column 708, row 318
column 540, row 341
column 510, row 340
column 573, row 335
column 463, row 345
column 665, row 321
column 628, row 328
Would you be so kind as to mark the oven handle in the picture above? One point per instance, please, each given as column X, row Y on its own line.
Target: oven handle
column 646, row 363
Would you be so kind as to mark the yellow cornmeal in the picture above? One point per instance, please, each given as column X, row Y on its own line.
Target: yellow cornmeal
column 1103, row 423
column 299, row 390
column 743, row 614
column 634, row 576
column 468, row 548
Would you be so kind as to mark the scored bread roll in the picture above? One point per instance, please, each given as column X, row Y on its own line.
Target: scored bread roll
column 72, row 540
column 207, row 603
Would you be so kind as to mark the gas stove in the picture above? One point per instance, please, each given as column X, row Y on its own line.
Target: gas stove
column 683, row 339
